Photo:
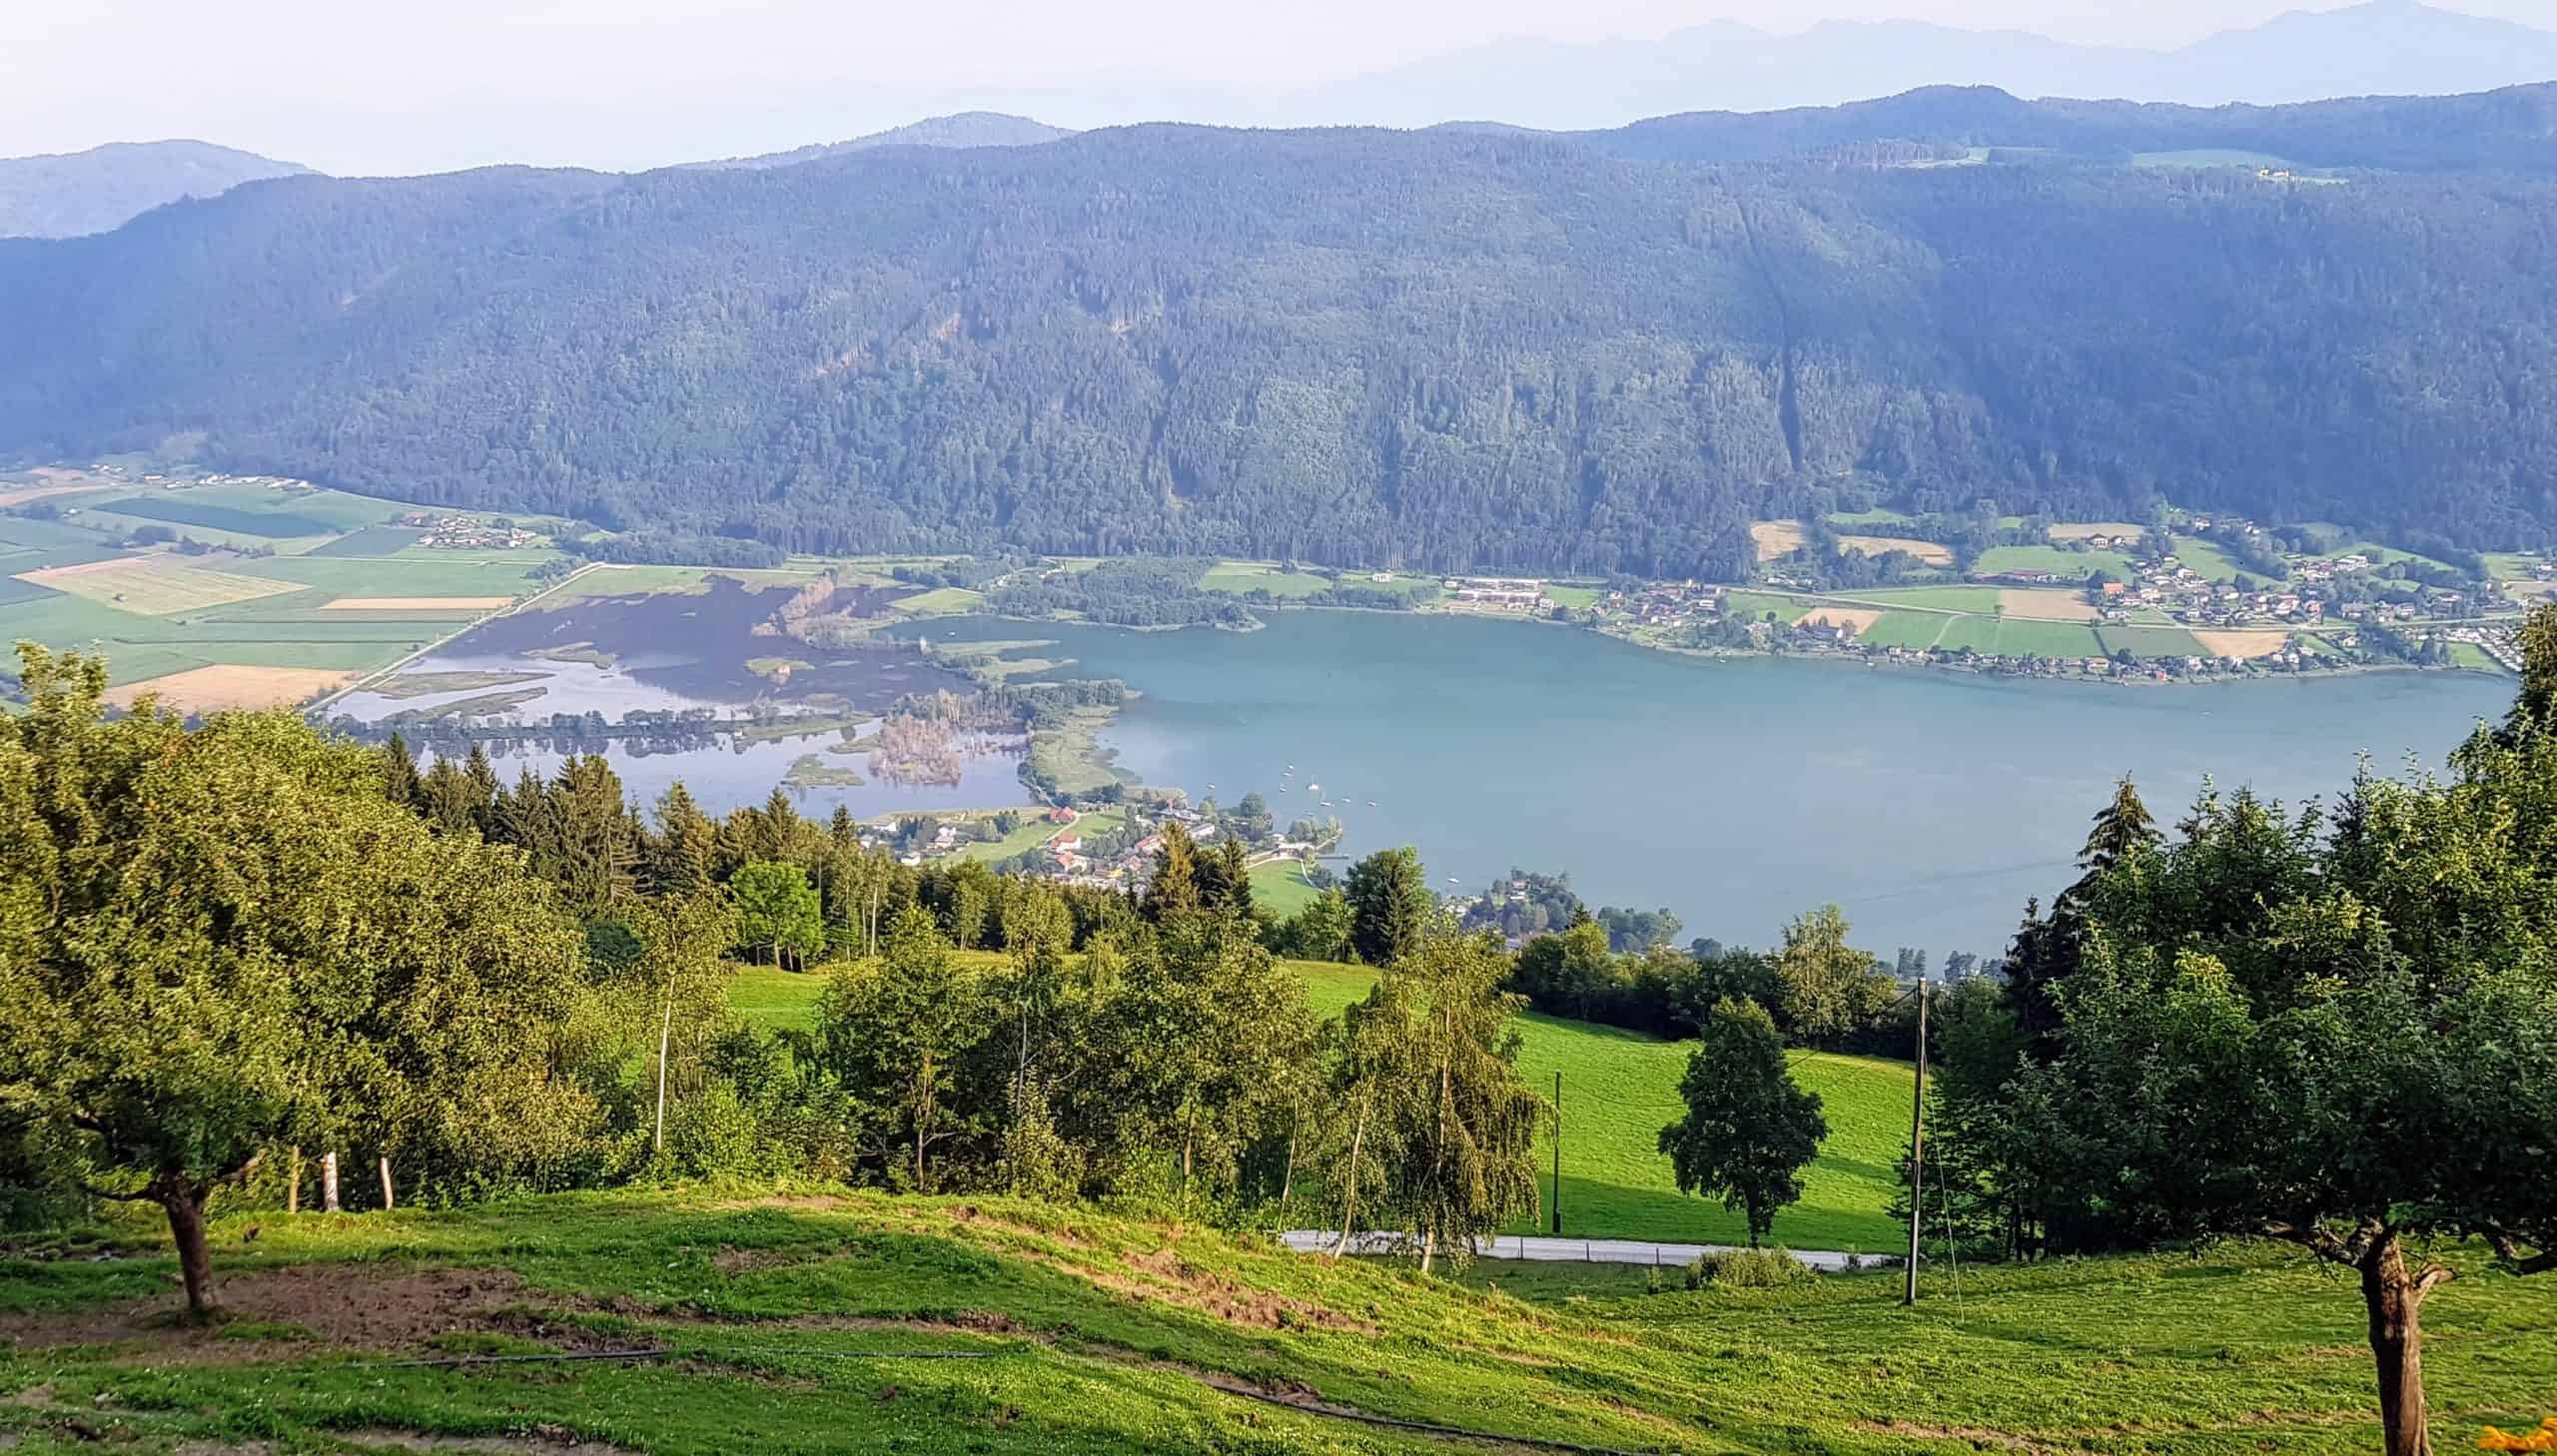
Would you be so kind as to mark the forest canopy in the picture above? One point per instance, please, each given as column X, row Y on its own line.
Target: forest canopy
column 1438, row 350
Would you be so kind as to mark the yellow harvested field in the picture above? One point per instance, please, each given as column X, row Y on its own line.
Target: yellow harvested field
column 415, row 603
column 2045, row 606
column 156, row 586
column 2242, row 643
column 1934, row 553
column 1776, row 537
column 214, row 689
column 2528, row 589
column 1859, row 618
column 2081, row 531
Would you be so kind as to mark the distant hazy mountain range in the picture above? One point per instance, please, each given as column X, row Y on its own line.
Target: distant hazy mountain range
column 68, row 195
column 2384, row 48
column 963, row 130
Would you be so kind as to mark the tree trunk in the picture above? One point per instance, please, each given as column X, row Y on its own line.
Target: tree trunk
column 665, row 1033
column 1428, row 1247
column 184, row 1202
column 2395, row 1301
column 1288, row 1174
column 293, row 1183
column 1349, row 1195
column 329, row 1182
column 387, row 1202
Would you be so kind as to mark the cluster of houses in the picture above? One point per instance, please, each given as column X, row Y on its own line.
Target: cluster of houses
column 461, row 532
column 1666, row 604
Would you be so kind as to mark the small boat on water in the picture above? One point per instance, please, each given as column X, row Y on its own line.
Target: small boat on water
column 1371, row 803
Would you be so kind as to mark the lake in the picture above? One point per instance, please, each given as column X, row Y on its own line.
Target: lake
column 1737, row 792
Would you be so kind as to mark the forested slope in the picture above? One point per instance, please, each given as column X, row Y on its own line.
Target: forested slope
column 1441, row 349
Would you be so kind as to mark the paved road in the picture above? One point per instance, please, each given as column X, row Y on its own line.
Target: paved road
column 1569, row 1250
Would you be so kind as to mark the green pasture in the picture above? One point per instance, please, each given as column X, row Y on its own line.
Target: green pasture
column 2072, row 565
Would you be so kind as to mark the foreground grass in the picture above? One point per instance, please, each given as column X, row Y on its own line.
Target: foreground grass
column 1618, row 1091
column 1114, row 1334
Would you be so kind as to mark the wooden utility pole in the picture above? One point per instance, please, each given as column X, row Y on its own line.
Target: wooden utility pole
column 293, row 1183
column 386, row 1184
column 1917, row 1149
column 328, row 1181
column 1558, row 1153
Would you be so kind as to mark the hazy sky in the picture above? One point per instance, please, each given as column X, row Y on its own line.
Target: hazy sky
column 415, row 85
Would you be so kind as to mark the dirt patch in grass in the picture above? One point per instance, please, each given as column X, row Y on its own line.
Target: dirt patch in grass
column 361, row 1305
column 1776, row 537
column 225, row 686
column 2242, row 642
column 2045, row 606
column 1829, row 616
column 1164, row 1274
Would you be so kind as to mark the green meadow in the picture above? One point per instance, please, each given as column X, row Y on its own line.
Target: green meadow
column 809, row 1320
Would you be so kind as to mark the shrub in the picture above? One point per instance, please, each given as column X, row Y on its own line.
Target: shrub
column 1746, row 1268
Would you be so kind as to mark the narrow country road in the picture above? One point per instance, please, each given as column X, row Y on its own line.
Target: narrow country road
column 1543, row 1249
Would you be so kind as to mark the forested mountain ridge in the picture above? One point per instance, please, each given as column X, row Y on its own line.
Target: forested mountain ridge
column 1443, row 350
column 960, row 130
column 2513, row 129
column 67, row 195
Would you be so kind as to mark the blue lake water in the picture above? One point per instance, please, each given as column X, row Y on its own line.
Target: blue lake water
column 1735, row 792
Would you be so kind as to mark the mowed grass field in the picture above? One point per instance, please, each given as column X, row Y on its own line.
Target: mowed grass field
column 1618, row 1091
column 791, row 1316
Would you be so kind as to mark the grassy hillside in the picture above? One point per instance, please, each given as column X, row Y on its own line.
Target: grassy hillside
column 789, row 1322
column 1618, row 1089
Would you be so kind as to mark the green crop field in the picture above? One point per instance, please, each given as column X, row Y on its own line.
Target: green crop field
column 789, row 1317
column 1981, row 599
column 1246, row 576
column 1849, row 519
column 192, row 509
column 1753, row 606
column 1979, row 634
column 1906, row 629
column 2019, row 637
column 2073, row 564
column 377, row 540
column 2204, row 156
column 405, row 575
column 2151, row 641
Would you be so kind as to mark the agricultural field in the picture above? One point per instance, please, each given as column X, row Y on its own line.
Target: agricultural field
column 1776, row 538
column 154, row 586
column 1906, row 630
column 1933, row 554
column 1879, row 516
column 1979, row 600
column 1979, row 634
column 2151, row 641
column 1240, row 577
column 789, row 1316
column 2027, row 637
column 1753, row 606
column 222, row 629
column 2072, row 565
column 2048, row 604
column 1282, row 886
